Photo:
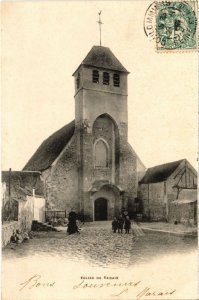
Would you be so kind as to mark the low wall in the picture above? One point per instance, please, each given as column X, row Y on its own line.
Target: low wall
column 7, row 230
column 183, row 213
column 25, row 216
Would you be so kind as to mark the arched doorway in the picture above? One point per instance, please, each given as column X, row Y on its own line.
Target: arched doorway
column 100, row 209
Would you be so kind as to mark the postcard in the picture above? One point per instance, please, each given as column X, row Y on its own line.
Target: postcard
column 99, row 150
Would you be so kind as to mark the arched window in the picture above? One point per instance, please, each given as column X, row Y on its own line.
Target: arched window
column 101, row 154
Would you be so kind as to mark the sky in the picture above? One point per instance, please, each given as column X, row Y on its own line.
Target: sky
column 42, row 45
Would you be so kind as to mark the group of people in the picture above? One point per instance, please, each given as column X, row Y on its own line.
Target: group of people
column 120, row 223
column 17, row 238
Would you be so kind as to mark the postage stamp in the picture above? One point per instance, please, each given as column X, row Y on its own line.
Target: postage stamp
column 175, row 24
column 172, row 25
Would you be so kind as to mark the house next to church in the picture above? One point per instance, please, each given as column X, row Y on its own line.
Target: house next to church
column 88, row 165
column 168, row 192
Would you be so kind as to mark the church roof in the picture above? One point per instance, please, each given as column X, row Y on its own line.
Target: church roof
column 102, row 57
column 160, row 173
column 50, row 149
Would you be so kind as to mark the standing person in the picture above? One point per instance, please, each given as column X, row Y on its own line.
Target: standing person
column 115, row 225
column 122, row 211
column 120, row 224
column 127, row 224
column 72, row 223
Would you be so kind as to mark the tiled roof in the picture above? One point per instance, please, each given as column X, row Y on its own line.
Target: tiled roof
column 50, row 149
column 103, row 57
column 160, row 173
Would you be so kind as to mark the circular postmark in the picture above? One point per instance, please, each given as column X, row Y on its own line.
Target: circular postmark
column 172, row 24
column 149, row 21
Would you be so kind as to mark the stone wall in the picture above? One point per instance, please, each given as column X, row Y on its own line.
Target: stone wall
column 61, row 180
column 157, row 201
column 24, row 223
column 154, row 201
column 185, row 213
column 7, row 230
column 128, row 170
column 141, row 170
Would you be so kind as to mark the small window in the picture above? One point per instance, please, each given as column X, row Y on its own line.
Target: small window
column 78, row 81
column 105, row 78
column 116, row 79
column 95, row 76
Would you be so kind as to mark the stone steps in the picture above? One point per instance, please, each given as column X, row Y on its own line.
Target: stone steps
column 39, row 226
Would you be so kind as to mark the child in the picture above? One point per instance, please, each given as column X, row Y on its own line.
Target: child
column 114, row 225
column 120, row 224
column 19, row 237
column 127, row 224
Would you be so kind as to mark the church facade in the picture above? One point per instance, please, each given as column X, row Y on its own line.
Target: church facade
column 88, row 165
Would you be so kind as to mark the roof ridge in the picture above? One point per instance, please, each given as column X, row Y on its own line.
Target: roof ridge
column 160, row 173
column 171, row 162
column 58, row 130
column 50, row 148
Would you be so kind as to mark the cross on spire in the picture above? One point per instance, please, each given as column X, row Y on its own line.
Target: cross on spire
column 100, row 24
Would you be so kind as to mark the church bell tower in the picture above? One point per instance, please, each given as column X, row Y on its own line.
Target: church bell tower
column 101, row 127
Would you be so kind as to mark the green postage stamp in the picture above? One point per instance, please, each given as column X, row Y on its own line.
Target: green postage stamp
column 176, row 24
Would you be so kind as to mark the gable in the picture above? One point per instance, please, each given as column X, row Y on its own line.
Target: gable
column 185, row 176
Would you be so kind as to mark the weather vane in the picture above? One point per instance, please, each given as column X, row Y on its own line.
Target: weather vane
column 100, row 23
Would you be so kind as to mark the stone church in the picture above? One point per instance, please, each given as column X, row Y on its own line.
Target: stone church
column 88, row 165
